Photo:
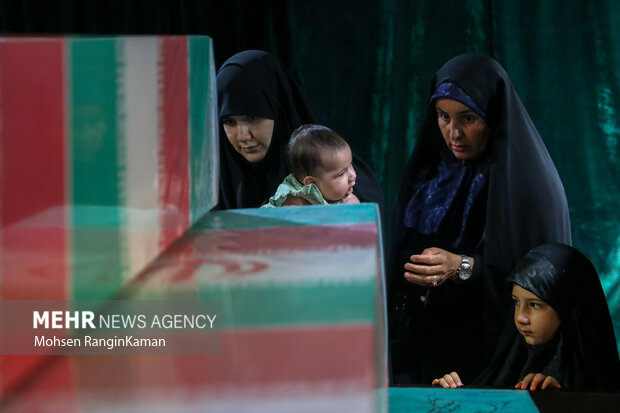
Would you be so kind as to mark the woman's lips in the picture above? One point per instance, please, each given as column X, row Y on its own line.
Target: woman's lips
column 459, row 148
column 250, row 149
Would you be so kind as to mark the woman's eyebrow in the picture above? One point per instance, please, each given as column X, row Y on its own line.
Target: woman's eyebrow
column 466, row 112
column 463, row 112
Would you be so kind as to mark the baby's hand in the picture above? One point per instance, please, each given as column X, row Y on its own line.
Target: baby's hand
column 351, row 199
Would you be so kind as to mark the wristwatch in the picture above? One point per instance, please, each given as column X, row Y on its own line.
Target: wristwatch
column 464, row 271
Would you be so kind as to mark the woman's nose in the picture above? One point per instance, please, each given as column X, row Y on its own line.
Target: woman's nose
column 455, row 132
column 243, row 132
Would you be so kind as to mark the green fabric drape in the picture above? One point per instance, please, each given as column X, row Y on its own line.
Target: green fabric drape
column 564, row 61
column 368, row 64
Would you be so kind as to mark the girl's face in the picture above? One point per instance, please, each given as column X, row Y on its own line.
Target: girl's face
column 536, row 320
column 464, row 131
column 335, row 177
column 249, row 135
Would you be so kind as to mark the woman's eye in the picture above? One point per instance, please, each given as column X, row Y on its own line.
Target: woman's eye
column 228, row 122
column 515, row 301
column 536, row 305
column 252, row 118
column 469, row 118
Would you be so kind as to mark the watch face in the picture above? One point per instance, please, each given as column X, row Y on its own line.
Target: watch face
column 464, row 275
column 465, row 269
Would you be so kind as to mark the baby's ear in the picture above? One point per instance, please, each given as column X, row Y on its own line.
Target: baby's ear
column 309, row 180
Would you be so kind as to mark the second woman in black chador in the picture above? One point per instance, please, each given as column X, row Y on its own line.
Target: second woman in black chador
column 479, row 191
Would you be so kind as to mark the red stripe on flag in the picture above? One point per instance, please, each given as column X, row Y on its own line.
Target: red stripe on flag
column 295, row 354
column 33, row 192
column 32, row 133
column 174, row 183
column 50, row 384
column 249, row 358
column 289, row 239
column 252, row 361
column 33, row 185
column 182, row 259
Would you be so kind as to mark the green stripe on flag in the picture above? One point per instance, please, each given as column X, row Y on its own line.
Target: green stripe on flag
column 199, row 126
column 255, row 218
column 321, row 302
column 95, row 169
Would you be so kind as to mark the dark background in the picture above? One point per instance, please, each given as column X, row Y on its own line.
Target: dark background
column 367, row 65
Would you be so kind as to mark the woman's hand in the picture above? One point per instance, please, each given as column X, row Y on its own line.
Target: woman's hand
column 295, row 201
column 448, row 381
column 531, row 382
column 432, row 268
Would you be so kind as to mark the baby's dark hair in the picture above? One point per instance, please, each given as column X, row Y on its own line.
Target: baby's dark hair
column 304, row 148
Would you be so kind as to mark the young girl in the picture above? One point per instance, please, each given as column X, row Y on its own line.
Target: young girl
column 321, row 168
column 565, row 336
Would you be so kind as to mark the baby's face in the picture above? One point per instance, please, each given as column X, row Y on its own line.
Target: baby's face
column 536, row 320
column 336, row 177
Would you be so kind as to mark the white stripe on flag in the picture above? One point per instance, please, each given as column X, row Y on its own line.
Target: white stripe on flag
column 141, row 123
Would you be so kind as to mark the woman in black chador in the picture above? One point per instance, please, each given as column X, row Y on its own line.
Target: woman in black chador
column 564, row 336
column 259, row 107
column 479, row 191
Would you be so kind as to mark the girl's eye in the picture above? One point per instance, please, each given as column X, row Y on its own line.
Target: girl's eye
column 228, row 122
column 515, row 301
column 535, row 305
column 251, row 118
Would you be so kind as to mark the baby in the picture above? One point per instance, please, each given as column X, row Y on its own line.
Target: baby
column 321, row 168
column 564, row 336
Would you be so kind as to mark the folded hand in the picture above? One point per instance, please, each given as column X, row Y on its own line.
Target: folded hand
column 448, row 381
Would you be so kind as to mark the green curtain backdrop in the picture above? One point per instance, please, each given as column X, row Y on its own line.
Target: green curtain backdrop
column 368, row 65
